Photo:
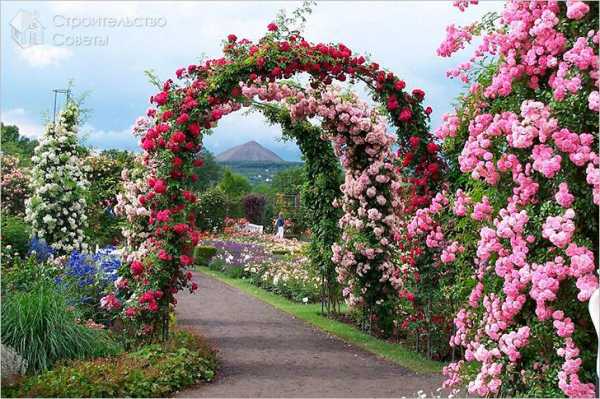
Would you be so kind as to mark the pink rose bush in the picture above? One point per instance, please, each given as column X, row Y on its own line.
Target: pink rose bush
column 15, row 185
column 526, row 135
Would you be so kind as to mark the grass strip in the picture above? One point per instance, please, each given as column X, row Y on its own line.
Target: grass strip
column 310, row 313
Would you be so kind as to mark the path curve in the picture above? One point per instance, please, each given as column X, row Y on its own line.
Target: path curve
column 264, row 352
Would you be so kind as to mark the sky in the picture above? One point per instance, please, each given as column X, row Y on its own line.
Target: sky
column 55, row 43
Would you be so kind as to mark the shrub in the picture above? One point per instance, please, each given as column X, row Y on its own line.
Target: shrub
column 254, row 208
column 56, row 210
column 87, row 277
column 15, row 232
column 15, row 184
column 203, row 255
column 24, row 275
column 517, row 229
column 211, row 210
column 43, row 329
column 152, row 371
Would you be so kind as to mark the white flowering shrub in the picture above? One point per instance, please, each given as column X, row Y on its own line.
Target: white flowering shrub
column 56, row 210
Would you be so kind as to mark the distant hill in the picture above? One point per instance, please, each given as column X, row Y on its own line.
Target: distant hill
column 254, row 161
column 249, row 152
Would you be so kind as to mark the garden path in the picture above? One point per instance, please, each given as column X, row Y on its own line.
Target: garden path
column 264, row 352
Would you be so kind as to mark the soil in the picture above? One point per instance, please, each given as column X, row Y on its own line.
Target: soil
column 264, row 352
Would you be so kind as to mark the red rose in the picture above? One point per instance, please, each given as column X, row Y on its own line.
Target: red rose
column 392, row 103
column 272, row 27
column 164, row 255
column 236, row 91
column 194, row 129
column 160, row 186
column 148, row 144
column 419, row 94
column 232, row 38
column 194, row 286
column 433, row 168
column 432, row 148
column 399, row 85
column 189, row 196
column 153, row 306
column 428, row 110
column 276, row 71
column 136, row 268
column 405, row 115
column 160, row 98
column 284, row 46
column 183, row 118
column 163, row 216
column 180, row 228
column 407, row 159
column 410, row 297
column 216, row 114
column 178, row 137
column 260, row 62
column 414, row 141
column 180, row 72
column 198, row 162
column 177, row 162
column 130, row 312
column 185, row 260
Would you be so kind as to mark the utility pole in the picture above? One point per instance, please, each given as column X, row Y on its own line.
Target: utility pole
column 67, row 92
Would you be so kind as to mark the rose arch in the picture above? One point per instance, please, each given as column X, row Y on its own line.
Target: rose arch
column 369, row 208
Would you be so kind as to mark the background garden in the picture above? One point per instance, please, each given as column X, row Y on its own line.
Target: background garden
column 474, row 244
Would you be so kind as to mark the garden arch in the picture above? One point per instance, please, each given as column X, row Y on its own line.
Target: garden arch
column 204, row 93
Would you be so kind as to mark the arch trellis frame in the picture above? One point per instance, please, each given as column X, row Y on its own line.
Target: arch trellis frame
column 205, row 94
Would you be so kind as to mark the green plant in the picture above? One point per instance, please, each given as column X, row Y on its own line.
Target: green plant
column 203, row 254
column 15, row 232
column 41, row 326
column 211, row 210
column 153, row 370
column 25, row 274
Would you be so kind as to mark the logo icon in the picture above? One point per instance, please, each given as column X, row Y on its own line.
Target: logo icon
column 26, row 29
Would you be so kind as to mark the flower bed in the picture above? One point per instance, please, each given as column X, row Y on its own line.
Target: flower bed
column 153, row 370
column 280, row 266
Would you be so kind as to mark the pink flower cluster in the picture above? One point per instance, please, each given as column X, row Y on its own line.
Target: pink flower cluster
column 482, row 210
column 559, row 229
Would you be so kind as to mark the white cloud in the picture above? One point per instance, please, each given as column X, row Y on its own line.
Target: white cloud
column 28, row 125
column 107, row 139
column 43, row 55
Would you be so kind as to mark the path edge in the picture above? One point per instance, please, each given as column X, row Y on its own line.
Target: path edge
column 394, row 353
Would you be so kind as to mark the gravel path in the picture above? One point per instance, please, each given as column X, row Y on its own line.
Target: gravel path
column 267, row 353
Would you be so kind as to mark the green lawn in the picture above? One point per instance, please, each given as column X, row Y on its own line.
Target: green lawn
column 311, row 314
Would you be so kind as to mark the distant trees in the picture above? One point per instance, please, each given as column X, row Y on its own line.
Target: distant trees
column 234, row 185
column 210, row 173
column 16, row 145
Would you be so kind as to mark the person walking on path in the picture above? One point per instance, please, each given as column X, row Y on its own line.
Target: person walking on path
column 279, row 223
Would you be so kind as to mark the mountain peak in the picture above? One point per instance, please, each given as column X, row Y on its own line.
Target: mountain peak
column 250, row 151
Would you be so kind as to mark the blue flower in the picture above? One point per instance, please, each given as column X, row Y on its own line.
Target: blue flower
column 40, row 249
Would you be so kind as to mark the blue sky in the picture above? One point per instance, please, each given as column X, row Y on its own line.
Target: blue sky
column 401, row 36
